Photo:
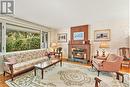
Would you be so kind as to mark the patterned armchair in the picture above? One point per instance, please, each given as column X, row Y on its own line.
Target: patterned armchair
column 111, row 64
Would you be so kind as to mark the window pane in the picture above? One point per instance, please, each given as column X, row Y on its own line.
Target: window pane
column 20, row 40
column 44, row 39
column 0, row 37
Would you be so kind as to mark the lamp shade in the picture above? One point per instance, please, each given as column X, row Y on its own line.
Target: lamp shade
column 53, row 45
column 104, row 45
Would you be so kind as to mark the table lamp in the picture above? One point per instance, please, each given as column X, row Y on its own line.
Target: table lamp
column 103, row 45
column 54, row 46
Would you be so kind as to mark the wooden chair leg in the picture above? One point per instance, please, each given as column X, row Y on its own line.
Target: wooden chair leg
column 92, row 66
column 98, row 73
column 118, row 75
column 61, row 63
column 129, row 64
column 121, row 65
column 12, row 77
column 4, row 73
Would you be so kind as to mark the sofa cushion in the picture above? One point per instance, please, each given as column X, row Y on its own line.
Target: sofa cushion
column 34, row 61
column 18, row 66
column 18, row 58
column 21, row 69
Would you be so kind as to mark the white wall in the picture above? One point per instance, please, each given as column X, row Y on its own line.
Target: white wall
column 129, row 37
column 64, row 45
column 119, row 35
column 129, row 24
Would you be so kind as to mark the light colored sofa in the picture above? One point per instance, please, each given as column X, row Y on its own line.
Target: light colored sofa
column 19, row 62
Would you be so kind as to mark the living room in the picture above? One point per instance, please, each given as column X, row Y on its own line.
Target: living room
column 89, row 39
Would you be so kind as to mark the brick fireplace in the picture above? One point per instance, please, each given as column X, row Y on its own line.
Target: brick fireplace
column 79, row 45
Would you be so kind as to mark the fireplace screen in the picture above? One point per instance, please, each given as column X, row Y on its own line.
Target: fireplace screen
column 78, row 53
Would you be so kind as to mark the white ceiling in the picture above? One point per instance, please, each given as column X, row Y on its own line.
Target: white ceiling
column 62, row 14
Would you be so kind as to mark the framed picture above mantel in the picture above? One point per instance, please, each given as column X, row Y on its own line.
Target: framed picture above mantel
column 102, row 35
column 78, row 35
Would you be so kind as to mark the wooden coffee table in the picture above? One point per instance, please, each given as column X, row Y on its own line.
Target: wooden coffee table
column 46, row 64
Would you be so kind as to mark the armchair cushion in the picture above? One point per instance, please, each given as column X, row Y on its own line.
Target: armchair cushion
column 101, row 58
column 112, row 57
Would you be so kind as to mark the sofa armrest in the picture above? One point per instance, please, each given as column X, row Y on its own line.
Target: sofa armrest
column 9, row 63
column 8, row 66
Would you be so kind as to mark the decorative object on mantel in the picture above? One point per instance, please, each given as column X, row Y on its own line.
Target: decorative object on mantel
column 102, row 35
column 103, row 45
column 62, row 37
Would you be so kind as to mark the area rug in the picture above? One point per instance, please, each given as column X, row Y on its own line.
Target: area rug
column 69, row 75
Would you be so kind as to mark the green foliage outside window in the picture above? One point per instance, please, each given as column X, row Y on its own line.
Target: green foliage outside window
column 19, row 40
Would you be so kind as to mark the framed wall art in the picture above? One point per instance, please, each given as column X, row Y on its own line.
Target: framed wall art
column 62, row 37
column 78, row 35
column 102, row 35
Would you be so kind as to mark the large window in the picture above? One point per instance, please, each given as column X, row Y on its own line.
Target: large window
column 44, row 39
column 22, row 39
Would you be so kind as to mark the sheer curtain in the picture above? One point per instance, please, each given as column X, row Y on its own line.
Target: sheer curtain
column 0, row 37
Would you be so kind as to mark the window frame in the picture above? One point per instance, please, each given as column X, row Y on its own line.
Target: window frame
column 1, row 37
column 4, row 28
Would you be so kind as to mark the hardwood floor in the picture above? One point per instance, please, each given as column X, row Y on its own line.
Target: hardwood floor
column 3, row 79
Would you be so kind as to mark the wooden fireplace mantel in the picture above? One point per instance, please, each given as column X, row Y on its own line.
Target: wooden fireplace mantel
column 82, row 28
column 79, row 44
